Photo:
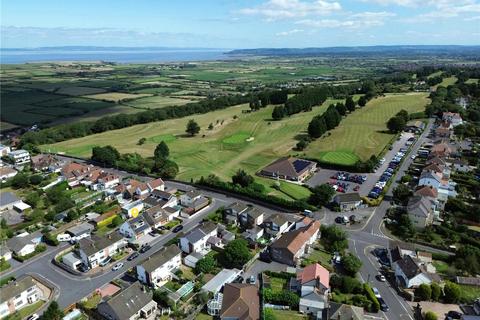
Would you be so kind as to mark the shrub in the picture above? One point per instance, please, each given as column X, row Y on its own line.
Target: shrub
column 430, row 316
column 436, row 291
column 423, row 292
column 452, row 292
column 371, row 296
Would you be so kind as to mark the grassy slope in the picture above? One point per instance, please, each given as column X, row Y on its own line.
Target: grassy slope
column 360, row 133
column 199, row 155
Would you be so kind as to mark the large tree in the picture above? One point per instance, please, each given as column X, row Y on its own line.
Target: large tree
column 401, row 194
column 53, row 312
column 206, row 264
column 278, row 112
column 192, row 127
column 236, row 254
column 161, row 151
column 317, row 127
column 362, row 101
column 242, row 178
column 351, row 264
column 321, row 195
column 396, row 124
column 423, row 292
column 341, row 108
column 452, row 292
column 350, row 104
column 334, row 238
column 107, row 155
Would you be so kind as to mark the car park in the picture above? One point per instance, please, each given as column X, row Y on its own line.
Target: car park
column 133, row 256
column 118, row 266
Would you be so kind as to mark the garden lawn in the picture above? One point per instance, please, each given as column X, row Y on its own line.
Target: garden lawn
column 363, row 132
column 469, row 293
column 288, row 315
column 25, row 312
column 277, row 284
column 294, row 191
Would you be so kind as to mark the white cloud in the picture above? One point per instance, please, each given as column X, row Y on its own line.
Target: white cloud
column 353, row 21
column 288, row 33
column 288, row 9
column 402, row 3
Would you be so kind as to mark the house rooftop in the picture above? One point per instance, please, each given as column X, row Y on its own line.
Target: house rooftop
column 409, row 267
column 419, row 205
column 16, row 287
column 200, row 232
column 312, row 272
column 277, row 219
column 80, row 229
column 427, row 191
column 130, row 301
column 95, row 243
column 7, row 198
column 348, row 197
column 240, row 301
column 294, row 240
column 345, row 312
column 288, row 166
column 161, row 257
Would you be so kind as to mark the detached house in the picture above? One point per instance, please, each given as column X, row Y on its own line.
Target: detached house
column 232, row 212
column 132, row 209
column 135, row 228
column 158, row 268
column 240, row 301
column 19, row 157
column 409, row 273
column 94, row 250
column 420, row 211
column 454, row 118
column 133, row 303
column 158, row 216
column 193, row 201
column 197, row 239
column 45, row 162
column 19, row 294
column 275, row 225
column 313, row 284
column 161, row 198
column 292, row 245
column 75, row 172
column 25, row 243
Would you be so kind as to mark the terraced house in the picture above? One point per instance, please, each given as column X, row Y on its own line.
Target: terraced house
column 96, row 249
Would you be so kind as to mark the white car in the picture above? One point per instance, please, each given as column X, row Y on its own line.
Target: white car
column 413, row 156
column 117, row 266
column 33, row 317
column 376, row 293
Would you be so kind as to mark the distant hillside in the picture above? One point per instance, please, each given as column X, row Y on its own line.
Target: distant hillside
column 368, row 50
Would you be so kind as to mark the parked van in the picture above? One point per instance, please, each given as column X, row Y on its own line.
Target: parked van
column 64, row 237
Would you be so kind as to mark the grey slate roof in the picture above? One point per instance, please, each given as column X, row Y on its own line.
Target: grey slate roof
column 277, row 219
column 80, row 229
column 236, row 207
column 419, row 206
column 95, row 243
column 199, row 232
column 348, row 197
column 344, row 312
column 7, row 198
column 17, row 243
column 161, row 257
column 14, row 288
column 254, row 212
column 129, row 301
column 409, row 267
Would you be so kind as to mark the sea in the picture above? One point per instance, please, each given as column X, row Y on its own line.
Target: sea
column 18, row 56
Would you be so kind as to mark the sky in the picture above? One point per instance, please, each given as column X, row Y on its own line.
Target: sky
column 238, row 23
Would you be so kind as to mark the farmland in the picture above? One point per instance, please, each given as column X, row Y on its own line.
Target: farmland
column 363, row 133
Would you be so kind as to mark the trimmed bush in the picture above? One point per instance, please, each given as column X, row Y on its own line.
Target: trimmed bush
column 371, row 296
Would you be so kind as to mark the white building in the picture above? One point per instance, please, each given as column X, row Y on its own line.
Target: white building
column 18, row 295
column 132, row 209
column 7, row 173
column 4, row 150
column 188, row 199
column 158, row 268
column 96, row 249
column 25, row 243
column 196, row 240
column 410, row 274
column 223, row 277
column 135, row 228
column 313, row 283
column 19, row 156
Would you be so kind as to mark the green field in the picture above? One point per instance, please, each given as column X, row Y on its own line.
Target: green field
column 363, row 133
column 448, row 81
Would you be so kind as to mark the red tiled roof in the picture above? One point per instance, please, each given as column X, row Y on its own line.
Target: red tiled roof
column 314, row 271
column 427, row 191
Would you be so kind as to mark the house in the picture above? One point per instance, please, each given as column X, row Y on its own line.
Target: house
column 96, row 249
column 251, row 217
column 348, row 201
column 289, row 168
column 399, row 250
column 425, row 259
column 72, row 260
column 158, row 268
column 106, row 180
column 132, row 209
column 80, row 231
column 5, row 253
column 427, row 191
column 436, row 160
column 196, row 239
column 135, row 302
column 253, row 234
column 188, row 198
column 442, row 132
column 227, row 236
column 275, row 225
column 240, row 301
column 232, row 212
column 7, row 173
column 292, row 245
column 160, row 198
column 135, row 228
column 460, row 165
column 19, row 157
column 220, row 279
column 4, row 150
column 313, row 283
column 442, row 150
column 409, row 273
column 431, row 179
column 442, row 171
column 19, row 294
column 8, row 200
column 156, row 184
column 74, row 172
column 156, row 216
column 420, row 211
column 45, row 162
column 337, row 311
column 25, row 243
column 454, row 118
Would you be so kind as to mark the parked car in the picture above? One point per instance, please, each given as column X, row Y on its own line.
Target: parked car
column 118, row 266
column 454, row 315
column 177, row 228
column 145, row 248
column 105, row 262
column 376, row 293
column 252, row 279
column 33, row 317
column 381, row 278
column 133, row 256
column 383, row 305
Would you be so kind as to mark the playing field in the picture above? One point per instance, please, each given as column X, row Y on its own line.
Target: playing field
column 222, row 150
column 362, row 133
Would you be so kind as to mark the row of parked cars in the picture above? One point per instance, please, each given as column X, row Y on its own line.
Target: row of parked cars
column 387, row 174
column 345, row 176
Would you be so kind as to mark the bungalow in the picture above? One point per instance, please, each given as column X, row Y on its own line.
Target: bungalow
column 291, row 246
column 196, row 239
column 7, row 173
column 25, row 243
column 135, row 228
column 251, row 217
column 130, row 304
column 158, row 267
column 409, row 273
column 348, row 201
column 240, row 301
column 420, row 211
column 232, row 212
column 96, row 249
column 19, row 294
column 8, row 200
column 313, row 283
column 253, row 234
column 289, row 168
column 19, row 157
column 275, row 225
